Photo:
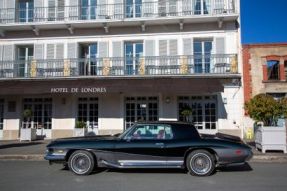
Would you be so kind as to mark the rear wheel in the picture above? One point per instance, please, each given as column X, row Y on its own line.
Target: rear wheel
column 200, row 163
column 81, row 162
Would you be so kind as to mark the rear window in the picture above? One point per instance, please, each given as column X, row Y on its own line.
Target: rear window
column 185, row 131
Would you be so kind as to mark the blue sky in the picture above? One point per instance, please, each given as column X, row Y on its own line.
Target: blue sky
column 264, row 21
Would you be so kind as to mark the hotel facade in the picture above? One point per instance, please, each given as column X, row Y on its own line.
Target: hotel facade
column 111, row 63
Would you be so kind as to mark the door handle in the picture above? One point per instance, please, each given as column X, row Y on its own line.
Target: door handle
column 160, row 144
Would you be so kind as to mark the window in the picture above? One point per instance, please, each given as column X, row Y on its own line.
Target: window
column 41, row 112
column 1, row 113
column 201, row 7
column 202, row 55
column 88, row 111
column 285, row 68
column 273, row 70
column 151, row 132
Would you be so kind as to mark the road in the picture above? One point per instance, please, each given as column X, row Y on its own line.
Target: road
column 39, row 176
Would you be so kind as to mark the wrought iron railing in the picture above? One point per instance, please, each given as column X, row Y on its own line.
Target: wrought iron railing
column 120, row 11
column 122, row 66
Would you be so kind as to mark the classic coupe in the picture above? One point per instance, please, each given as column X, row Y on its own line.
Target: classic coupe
column 150, row 145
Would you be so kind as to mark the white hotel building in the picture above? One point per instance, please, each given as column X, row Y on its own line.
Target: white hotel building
column 111, row 63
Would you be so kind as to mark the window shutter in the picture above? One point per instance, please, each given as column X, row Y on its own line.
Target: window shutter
column 61, row 10
column 74, row 9
column 117, row 49
column 8, row 52
column 60, row 51
column 10, row 5
column 51, row 10
column 50, row 51
column 162, row 8
column 173, row 47
column 186, row 7
column 220, row 45
column 103, row 49
column 148, row 8
column 187, row 47
column 118, row 9
column 39, row 51
column 218, row 6
column 172, row 7
column 149, row 48
column 162, row 48
column 1, row 52
column 39, row 13
column 102, row 9
column 72, row 50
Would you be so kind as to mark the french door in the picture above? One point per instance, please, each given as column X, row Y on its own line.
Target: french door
column 26, row 10
column 25, row 56
column 204, row 112
column 202, row 7
column 133, row 8
column 41, row 118
column 89, row 54
column 140, row 109
column 133, row 52
column 88, row 113
column 88, row 9
column 202, row 55
column 1, row 117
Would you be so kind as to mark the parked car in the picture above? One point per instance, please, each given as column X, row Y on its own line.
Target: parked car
column 150, row 145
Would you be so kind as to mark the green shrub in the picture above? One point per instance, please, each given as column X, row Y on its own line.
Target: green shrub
column 80, row 125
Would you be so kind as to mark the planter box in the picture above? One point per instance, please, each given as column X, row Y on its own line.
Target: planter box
column 28, row 134
column 80, row 132
column 271, row 138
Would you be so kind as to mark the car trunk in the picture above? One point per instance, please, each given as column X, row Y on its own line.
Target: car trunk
column 222, row 136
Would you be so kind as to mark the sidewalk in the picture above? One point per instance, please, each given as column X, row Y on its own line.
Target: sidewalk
column 35, row 151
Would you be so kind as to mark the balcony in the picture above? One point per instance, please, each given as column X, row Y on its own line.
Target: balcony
column 148, row 12
column 185, row 65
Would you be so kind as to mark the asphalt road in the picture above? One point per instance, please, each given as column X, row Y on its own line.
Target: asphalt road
column 39, row 176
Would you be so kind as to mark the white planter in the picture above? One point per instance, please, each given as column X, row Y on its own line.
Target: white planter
column 28, row 134
column 271, row 138
column 80, row 132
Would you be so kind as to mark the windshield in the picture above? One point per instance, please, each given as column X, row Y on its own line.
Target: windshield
column 121, row 136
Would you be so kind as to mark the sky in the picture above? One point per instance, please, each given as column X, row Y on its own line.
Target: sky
column 264, row 21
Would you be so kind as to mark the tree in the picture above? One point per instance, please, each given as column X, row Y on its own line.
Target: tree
column 264, row 108
column 186, row 112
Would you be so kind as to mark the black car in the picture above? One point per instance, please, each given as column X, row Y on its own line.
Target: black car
column 150, row 145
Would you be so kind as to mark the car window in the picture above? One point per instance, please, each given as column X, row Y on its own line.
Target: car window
column 151, row 132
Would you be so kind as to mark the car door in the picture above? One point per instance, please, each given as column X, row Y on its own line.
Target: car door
column 143, row 146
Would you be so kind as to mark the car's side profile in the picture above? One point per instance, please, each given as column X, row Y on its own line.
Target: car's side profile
column 150, row 145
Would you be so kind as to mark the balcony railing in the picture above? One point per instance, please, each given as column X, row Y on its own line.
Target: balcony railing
column 129, row 66
column 182, row 8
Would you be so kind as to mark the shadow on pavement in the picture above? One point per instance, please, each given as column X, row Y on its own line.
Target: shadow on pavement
column 13, row 145
column 235, row 168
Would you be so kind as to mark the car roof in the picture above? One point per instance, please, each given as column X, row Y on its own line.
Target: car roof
column 165, row 122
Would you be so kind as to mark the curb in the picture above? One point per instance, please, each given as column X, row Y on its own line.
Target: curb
column 22, row 157
column 37, row 157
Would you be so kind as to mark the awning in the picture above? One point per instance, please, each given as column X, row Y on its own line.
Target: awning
column 111, row 85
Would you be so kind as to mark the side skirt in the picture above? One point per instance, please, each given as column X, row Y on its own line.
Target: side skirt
column 144, row 164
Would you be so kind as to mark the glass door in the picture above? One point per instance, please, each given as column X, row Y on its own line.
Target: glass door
column 26, row 10
column 88, row 9
column 88, row 65
column 202, row 55
column 201, row 7
column 133, row 52
column 25, row 55
column 140, row 109
column 133, row 8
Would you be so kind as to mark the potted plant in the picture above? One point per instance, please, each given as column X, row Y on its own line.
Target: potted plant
column 27, row 131
column 265, row 110
column 186, row 112
column 80, row 129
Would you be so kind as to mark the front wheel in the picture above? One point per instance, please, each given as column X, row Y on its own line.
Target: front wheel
column 81, row 162
column 200, row 163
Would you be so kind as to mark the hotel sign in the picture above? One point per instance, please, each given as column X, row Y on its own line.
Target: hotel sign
column 79, row 90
